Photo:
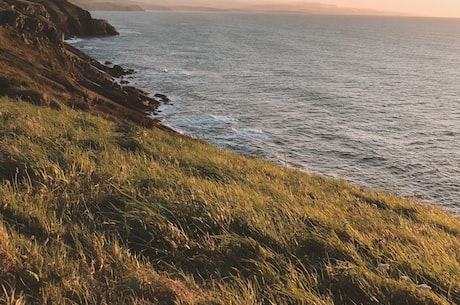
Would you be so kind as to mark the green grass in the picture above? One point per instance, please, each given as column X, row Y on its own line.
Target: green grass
column 106, row 212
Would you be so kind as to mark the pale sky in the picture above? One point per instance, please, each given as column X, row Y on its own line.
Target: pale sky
column 437, row 8
column 434, row 8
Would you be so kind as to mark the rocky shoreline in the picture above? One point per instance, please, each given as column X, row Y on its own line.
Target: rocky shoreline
column 40, row 67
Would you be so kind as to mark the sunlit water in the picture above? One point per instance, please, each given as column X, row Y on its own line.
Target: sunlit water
column 373, row 100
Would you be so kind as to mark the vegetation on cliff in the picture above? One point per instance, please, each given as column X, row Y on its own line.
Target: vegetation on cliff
column 96, row 211
column 99, row 205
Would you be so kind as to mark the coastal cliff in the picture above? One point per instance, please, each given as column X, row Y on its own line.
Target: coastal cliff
column 99, row 207
column 38, row 66
column 49, row 15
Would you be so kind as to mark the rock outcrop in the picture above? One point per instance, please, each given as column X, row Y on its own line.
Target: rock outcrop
column 68, row 18
column 37, row 65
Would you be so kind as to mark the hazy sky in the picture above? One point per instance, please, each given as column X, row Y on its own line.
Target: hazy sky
column 436, row 8
column 440, row 8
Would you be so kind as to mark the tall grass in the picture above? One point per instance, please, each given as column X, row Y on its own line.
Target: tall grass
column 106, row 212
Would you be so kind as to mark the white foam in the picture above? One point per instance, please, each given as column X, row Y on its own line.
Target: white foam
column 163, row 72
column 73, row 40
column 165, row 123
column 253, row 133
column 224, row 118
column 129, row 32
column 177, row 73
column 87, row 48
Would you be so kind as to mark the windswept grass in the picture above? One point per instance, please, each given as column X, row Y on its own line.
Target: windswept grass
column 101, row 212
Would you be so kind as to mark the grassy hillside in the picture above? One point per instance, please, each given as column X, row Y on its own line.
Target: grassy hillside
column 107, row 212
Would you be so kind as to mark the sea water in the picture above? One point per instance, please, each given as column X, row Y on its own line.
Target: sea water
column 374, row 100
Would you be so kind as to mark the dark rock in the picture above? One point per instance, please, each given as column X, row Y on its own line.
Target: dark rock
column 163, row 98
column 118, row 71
column 100, row 27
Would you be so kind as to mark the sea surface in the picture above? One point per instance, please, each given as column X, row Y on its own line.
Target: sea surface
column 373, row 100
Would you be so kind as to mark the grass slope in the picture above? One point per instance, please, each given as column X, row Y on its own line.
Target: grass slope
column 106, row 212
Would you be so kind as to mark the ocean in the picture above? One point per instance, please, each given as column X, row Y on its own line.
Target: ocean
column 373, row 100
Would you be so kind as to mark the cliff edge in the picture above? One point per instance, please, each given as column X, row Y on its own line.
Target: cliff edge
column 38, row 66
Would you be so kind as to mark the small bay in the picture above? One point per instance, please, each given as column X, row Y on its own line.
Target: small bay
column 374, row 100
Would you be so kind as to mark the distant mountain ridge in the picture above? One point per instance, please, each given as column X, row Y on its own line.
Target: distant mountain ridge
column 313, row 8
column 108, row 5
